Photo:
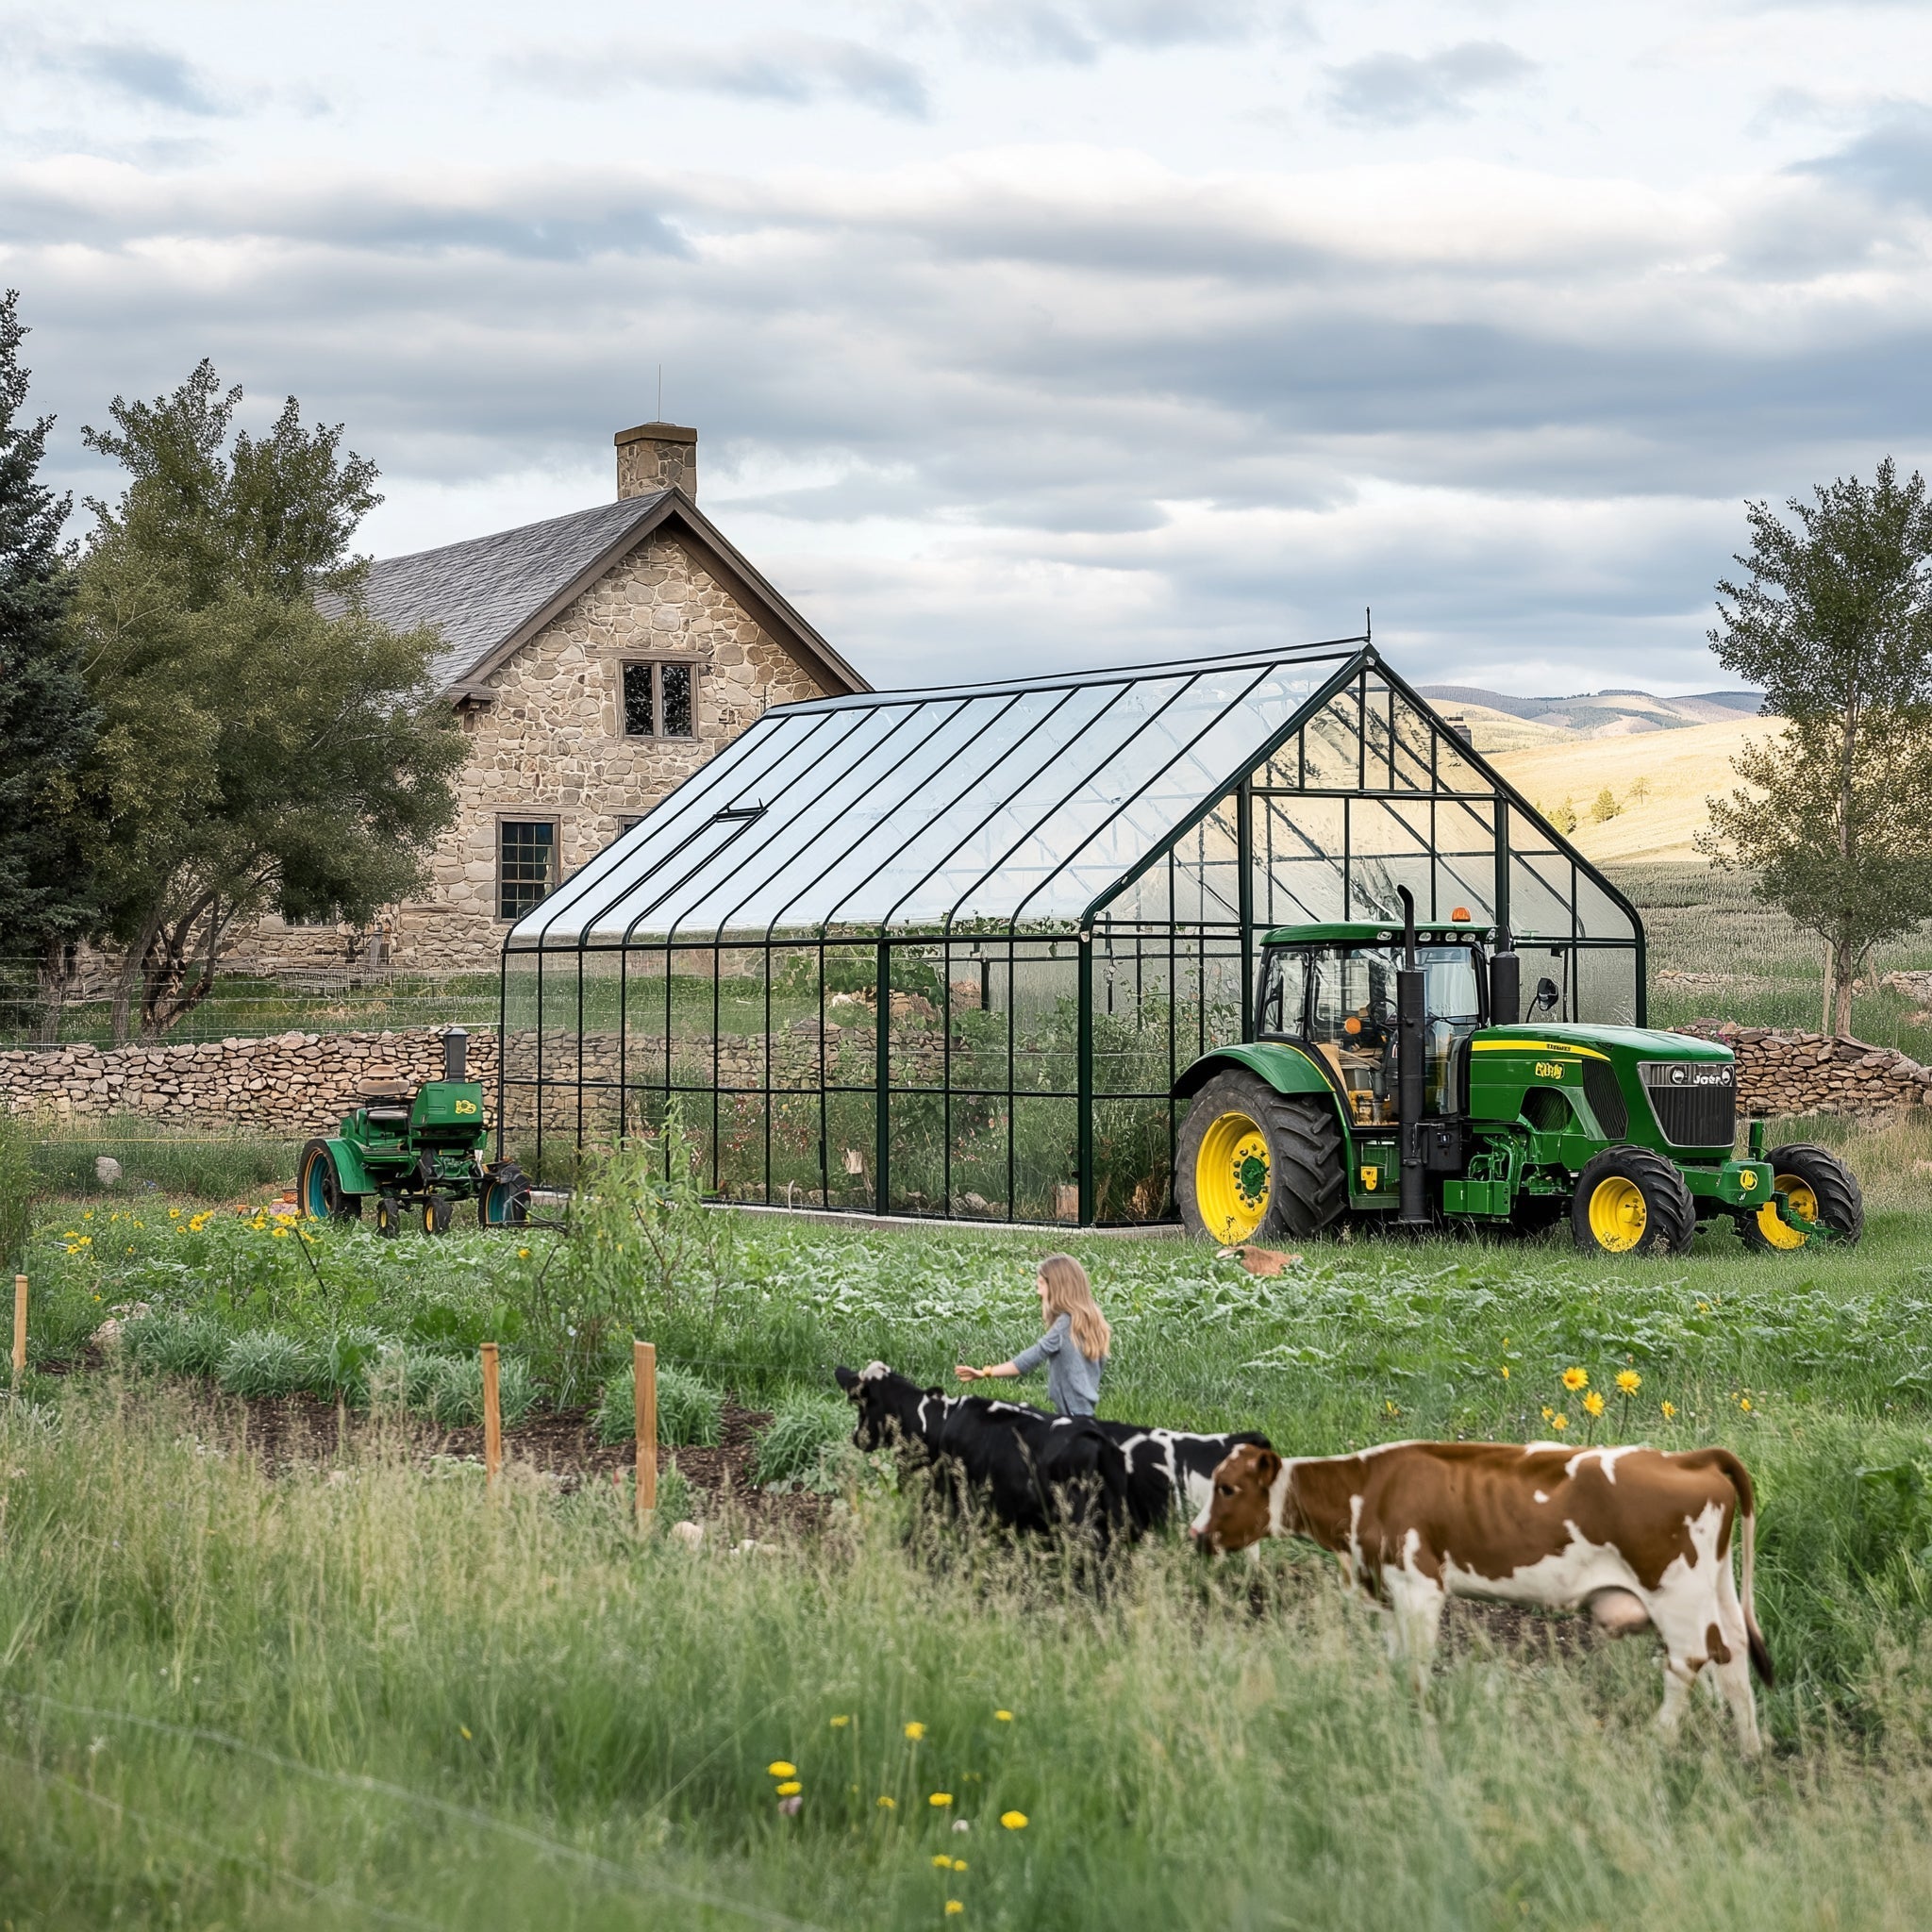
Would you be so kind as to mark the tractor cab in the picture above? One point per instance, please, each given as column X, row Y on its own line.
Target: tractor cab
column 1331, row 989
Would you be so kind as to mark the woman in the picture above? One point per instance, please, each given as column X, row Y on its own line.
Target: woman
column 1073, row 1347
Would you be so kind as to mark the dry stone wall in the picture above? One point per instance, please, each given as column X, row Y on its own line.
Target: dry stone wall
column 289, row 1083
column 1782, row 1073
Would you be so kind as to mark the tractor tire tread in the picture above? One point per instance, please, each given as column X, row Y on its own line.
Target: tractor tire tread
column 1308, row 1186
column 1672, row 1213
column 1840, row 1200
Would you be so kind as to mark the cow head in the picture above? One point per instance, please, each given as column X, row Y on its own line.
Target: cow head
column 1239, row 1507
column 889, row 1405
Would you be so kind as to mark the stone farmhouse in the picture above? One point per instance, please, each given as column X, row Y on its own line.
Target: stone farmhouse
column 596, row 661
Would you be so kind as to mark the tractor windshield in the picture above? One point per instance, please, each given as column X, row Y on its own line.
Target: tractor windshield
column 1341, row 1001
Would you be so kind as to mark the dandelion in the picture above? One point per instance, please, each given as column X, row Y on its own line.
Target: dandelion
column 781, row 1768
column 1548, row 1412
column 1505, row 1371
column 1744, row 1402
column 888, row 1804
column 280, row 1234
column 839, row 1722
column 523, row 1254
column 940, row 1800
column 1005, row 1717
column 959, row 1864
column 1670, row 1409
column 1013, row 1821
column 952, row 1905
column 1593, row 1404
column 789, row 1788
column 1559, row 1422
column 1629, row 1381
column 915, row 1731
column 1575, row 1379
column 942, row 1862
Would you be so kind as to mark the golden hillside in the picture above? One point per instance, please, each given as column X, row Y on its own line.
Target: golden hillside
column 1680, row 770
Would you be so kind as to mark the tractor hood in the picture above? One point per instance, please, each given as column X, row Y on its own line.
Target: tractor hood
column 1647, row 1043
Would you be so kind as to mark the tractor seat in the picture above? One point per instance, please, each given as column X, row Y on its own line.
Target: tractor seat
column 385, row 1086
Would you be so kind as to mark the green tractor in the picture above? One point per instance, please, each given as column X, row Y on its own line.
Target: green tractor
column 1389, row 1076
column 416, row 1153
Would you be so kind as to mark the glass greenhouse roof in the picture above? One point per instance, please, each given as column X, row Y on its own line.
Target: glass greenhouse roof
column 1018, row 806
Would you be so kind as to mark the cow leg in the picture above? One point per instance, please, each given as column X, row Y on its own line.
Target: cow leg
column 1415, row 1602
column 1680, row 1679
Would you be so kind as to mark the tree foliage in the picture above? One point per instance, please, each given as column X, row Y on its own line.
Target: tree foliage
column 258, row 747
column 1834, row 623
column 47, row 721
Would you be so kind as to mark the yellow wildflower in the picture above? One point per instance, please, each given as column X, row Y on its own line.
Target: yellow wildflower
column 780, row 1768
column 954, row 1905
column 942, row 1862
column 1745, row 1402
column 1548, row 1412
column 940, row 1800
column 281, row 1234
column 915, row 1731
column 523, row 1254
column 1005, row 1717
column 959, row 1864
column 1629, row 1381
column 1013, row 1821
column 790, row 1788
column 1669, row 1411
column 1559, row 1422
column 1505, row 1371
column 1575, row 1379
column 1594, row 1404
column 839, row 1722
column 174, row 1214
column 465, row 1729
column 888, row 1804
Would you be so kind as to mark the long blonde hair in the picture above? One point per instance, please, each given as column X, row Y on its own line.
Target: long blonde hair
column 1069, row 1292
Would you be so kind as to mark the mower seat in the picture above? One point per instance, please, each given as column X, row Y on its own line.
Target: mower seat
column 387, row 1099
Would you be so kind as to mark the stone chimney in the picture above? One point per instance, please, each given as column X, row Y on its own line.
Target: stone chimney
column 655, row 456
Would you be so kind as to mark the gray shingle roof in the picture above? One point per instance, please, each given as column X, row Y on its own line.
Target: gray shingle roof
column 480, row 592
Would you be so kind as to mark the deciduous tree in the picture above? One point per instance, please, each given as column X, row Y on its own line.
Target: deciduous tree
column 258, row 749
column 1834, row 623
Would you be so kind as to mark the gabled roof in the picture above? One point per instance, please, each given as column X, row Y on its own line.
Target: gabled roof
column 490, row 595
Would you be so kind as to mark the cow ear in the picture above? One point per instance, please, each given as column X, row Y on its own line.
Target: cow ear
column 847, row 1379
column 1267, row 1467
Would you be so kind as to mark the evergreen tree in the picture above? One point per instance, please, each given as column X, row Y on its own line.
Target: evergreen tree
column 48, row 722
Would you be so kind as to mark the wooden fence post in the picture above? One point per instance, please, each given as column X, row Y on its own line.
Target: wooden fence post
column 19, row 1326
column 493, row 1418
column 644, row 1373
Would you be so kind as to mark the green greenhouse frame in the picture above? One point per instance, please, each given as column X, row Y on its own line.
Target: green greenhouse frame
column 944, row 953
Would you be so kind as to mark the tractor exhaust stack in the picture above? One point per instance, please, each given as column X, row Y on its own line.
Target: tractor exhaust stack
column 456, row 1053
column 1506, row 983
column 1411, row 1044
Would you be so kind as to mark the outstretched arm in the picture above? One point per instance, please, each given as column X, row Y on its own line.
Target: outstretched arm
column 1000, row 1372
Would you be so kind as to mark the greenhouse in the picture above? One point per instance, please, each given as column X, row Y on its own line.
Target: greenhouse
column 944, row 951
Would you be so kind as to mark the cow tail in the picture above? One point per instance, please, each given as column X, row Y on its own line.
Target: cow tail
column 1738, row 1478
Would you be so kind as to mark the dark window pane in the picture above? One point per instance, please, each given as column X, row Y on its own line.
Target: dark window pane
column 676, row 699
column 526, row 854
column 640, row 713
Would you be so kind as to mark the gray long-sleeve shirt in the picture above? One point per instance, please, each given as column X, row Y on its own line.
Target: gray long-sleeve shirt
column 1072, row 1380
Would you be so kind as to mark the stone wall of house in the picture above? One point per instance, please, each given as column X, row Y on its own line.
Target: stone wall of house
column 553, row 745
column 289, row 1083
column 1786, row 1074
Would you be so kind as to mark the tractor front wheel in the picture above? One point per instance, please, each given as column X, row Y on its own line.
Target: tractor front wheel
column 1629, row 1200
column 505, row 1201
column 1252, row 1162
column 318, row 1187
column 389, row 1215
column 1820, row 1187
column 437, row 1210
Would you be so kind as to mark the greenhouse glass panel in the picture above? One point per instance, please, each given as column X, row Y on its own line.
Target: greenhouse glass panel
column 947, row 953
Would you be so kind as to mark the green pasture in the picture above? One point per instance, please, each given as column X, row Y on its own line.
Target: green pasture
column 370, row 1695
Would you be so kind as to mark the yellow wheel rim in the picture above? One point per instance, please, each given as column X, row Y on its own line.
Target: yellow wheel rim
column 1804, row 1202
column 1231, row 1175
column 1617, row 1215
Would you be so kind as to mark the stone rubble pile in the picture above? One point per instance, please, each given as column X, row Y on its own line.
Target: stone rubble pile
column 1811, row 1072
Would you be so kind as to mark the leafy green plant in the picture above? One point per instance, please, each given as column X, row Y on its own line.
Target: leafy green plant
column 454, row 1392
column 802, row 1428
column 690, row 1412
column 176, row 1344
column 264, row 1362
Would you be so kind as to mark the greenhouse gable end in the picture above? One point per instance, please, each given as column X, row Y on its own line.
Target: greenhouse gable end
column 946, row 952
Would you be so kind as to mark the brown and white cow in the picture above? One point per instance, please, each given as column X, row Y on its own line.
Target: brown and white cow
column 1636, row 1536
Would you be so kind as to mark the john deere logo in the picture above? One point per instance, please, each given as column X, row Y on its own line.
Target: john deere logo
column 1549, row 1070
column 1747, row 1180
column 465, row 1107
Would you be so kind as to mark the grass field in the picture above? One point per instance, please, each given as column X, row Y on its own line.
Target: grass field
column 360, row 1696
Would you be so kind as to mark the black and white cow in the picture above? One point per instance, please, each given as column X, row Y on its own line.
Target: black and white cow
column 1035, row 1472
column 1171, row 1469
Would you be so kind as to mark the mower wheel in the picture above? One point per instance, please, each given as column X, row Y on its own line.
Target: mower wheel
column 505, row 1201
column 318, row 1187
column 1252, row 1162
column 1820, row 1187
column 389, row 1215
column 437, row 1212
column 1629, row 1200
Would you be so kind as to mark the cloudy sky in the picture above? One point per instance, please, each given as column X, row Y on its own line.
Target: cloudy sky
column 1033, row 333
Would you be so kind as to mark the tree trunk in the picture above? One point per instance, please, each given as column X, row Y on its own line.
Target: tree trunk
column 56, row 977
column 1831, row 988
column 132, row 971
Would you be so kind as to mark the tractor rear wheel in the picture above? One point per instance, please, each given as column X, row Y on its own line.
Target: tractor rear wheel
column 1629, row 1200
column 437, row 1210
column 1253, row 1162
column 505, row 1201
column 318, row 1187
column 1820, row 1187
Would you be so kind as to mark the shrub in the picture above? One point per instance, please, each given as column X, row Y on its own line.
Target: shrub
column 802, row 1427
column 266, row 1362
column 346, row 1357
column 176, row 1344
column 452, row 1393
column 691, row 1413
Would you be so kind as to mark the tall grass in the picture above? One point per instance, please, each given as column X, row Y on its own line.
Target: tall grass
column 322, row 1700
column 210, row 1165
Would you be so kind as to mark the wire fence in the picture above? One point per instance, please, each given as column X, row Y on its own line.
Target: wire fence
column 251, row 999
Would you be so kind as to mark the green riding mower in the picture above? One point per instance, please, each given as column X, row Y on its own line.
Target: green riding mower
column 416, row 1153
column 1391, row 1078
